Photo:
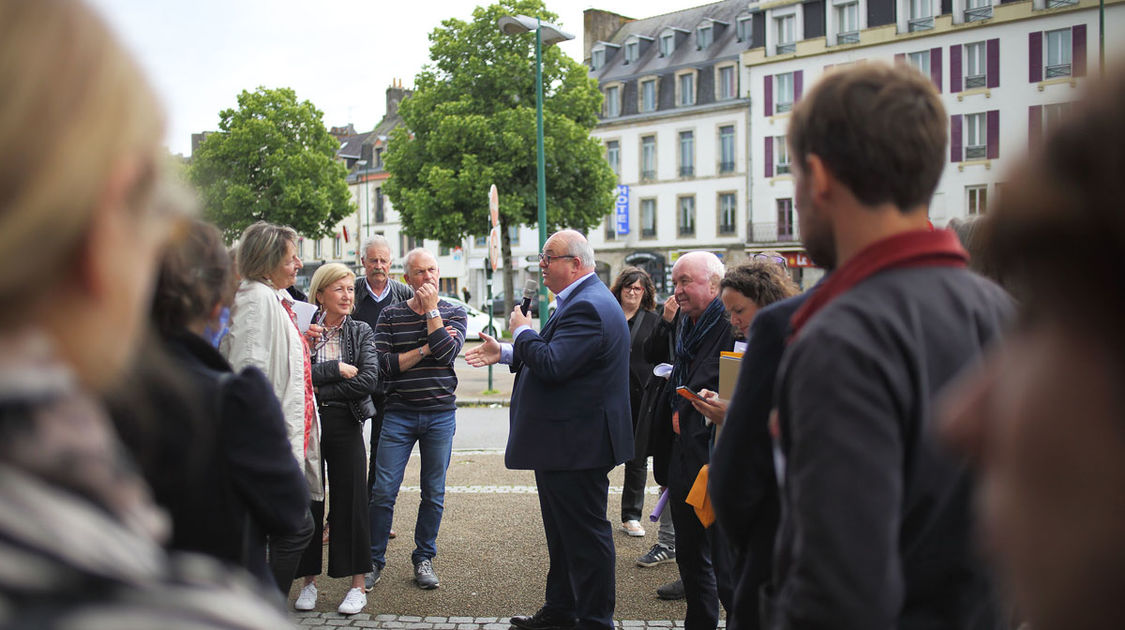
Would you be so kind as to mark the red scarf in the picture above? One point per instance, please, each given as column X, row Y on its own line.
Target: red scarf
column 310, row 400
column 917, row 248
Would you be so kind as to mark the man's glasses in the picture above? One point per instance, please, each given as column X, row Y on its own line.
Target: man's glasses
column 545, row 259
column 777, row 259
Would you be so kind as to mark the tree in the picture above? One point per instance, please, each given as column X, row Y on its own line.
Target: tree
column 471, row 123
column 272, row 160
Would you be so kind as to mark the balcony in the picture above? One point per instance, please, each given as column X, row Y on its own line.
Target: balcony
column 726, row 167
column 687, row 171
column 687, row 230
column 784, row 49
column 727, row 228
column 648, row 232
column 648, row 176
column 773, row 232
column 975, row 81
column 1054, row 4
column 977, row 152
column 1057, row 70
column 976, row 14
column 784, row 107
column 920, row 24
column 849, row 37
column 781, row 168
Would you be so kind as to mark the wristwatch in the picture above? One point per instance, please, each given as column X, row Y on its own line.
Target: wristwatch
column 432, row 313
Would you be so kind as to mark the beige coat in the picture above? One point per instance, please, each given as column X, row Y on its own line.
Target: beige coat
column 263, row 336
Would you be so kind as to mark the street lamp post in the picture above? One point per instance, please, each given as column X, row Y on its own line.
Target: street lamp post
column 360, row 234
column 545, row 34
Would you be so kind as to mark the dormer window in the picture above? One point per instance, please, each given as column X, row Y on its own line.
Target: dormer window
column 704, row 35
column 745, row 25
column 597, row 59
column 667, row 44
column 632, row 51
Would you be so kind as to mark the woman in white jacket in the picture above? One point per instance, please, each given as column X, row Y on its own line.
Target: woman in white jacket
column 264, row 334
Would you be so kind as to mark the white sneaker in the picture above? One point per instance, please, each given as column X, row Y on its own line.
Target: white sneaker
column 307, row 599
column 354, row 602
column 633, row 528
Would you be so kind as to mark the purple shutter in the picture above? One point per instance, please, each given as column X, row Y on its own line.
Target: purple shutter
column 768, row 158
column 799, row 84
column 955, row 152
column 992, row 52
column 900, row 58
column 955, row 68
column 935, row 67
column 1035, row 57
column 1034, row 126
column 768, row 89
column 1078, row 50
column 993, row 134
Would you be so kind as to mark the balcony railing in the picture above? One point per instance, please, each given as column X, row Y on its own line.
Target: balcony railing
column 784, row 107
column 648, row 232
column 784, row 49
column 1054, row 4
column 687, row 230
column 849, row 37
column 648, row 175
column 977, row 152
column 781, row 168
column 687, row 171
column 975, row 81
column 978, row 13
column 772, row 232
column 921, row 24
column 727, row 228
column 1058, row 70
column 726, row 167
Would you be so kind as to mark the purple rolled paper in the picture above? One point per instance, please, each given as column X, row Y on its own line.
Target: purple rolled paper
column 660, row 503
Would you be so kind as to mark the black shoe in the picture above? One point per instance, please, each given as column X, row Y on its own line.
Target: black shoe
column 424, row 575
column 671, row 590
column 543, row 620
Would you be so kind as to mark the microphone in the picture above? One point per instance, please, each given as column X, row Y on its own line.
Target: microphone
column 530, row 288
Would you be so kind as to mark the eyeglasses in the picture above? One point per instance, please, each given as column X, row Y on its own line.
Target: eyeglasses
column 777, row 259
column 545, row 259
column 632, row 289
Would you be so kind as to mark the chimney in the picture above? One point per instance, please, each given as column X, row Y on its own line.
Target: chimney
column 599, row 25
column 395, row 94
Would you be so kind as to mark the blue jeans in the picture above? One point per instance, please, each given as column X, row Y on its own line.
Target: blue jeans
column 433, row 431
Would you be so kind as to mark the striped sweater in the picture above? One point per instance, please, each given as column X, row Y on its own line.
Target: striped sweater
column 429, row 385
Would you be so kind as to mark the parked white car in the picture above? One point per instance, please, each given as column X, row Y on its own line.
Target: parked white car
column 476, row 321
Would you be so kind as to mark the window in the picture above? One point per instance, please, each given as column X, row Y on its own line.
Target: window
column 726, row 149
column 480, row 241
column 685, row 84
column 975, row 66
column 514, row 235
column 686, row 216
column 785, row 220
column 337, row 247
column 977, row 10
column 613, row 155
column 784, row 92
column 597, row 59
column 921, row 15
column 847, row 23
column 648, row 95
column 1058, row 53
column 727, row 86
column 728, row 213
column 780, row 155
column 379, row 157
column 648, row 218
column 443, row 250
column 920, row 61
column 975, row 137
column 1053, row 115
column 632, row 50
column 613, row 101
column 704, row 36
column 786, row 39
column 648, row 158
column 611, row 227
column 380, row 215
column 745, row 26
column 406, row 243
column 667, row 44
column 976, row 199
column 687, row 154
column 318, row 249
column 301, row 247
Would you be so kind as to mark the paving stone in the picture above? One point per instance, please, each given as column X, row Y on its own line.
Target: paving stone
column 660, row 624
column 409, row 619
column 445, row 626
column 436, row 619
column 496, row 626
column 419, row 625
column 365, row 623
column 467, row 626
column 342, row 621
column 487, row 620
column 460, row 620
column 385, row 617
column 393, row 625
column 632, row 623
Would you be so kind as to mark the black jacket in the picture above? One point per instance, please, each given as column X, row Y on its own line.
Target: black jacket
column 358, row 349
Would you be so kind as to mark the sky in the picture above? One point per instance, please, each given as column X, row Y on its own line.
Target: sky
column 340, row 54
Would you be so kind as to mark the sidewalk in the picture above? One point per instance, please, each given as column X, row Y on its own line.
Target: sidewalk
column 412, row 622
column 472, row 383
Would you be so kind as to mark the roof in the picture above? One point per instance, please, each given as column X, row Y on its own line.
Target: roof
column 351, row 146
column 687, row 53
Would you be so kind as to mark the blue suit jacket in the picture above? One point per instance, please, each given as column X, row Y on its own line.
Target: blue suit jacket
column 570, row 405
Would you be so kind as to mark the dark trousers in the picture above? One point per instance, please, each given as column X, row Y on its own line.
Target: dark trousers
column 580, row 580
column 633, row 489
column 702, row 558
column 376, row 428
column 341, row 448
column 285, row 554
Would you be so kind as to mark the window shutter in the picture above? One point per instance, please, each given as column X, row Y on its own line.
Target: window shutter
column 768, row 90
column 1035, row 57
column 955, row 68
column 799, row 81
column 955, row 152
column 993, row 67
column 993, row 134
column 1034, row 127
column 1078, row 50
column 899, row 58
column 769, row 156
column 935, row 67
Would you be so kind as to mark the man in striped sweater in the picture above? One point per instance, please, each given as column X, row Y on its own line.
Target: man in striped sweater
column 417, row 341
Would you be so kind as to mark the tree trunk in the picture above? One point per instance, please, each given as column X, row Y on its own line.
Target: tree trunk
column 509, row 280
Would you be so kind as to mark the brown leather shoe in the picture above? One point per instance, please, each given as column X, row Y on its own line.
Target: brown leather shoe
column 543, row 620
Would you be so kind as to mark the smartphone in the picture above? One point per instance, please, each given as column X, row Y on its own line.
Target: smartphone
column 687, row 393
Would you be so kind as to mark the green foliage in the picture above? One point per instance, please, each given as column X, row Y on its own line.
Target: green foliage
column 471, row 123
column 273, row 160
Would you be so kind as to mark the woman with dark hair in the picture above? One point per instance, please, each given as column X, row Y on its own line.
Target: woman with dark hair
column 635, row 292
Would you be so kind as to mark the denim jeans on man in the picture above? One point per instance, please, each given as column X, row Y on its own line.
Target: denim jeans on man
column 433, row 431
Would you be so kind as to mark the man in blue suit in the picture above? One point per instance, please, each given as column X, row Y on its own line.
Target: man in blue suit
column 570, row 423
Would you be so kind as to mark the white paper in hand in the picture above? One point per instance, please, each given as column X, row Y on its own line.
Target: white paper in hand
column 304, row 312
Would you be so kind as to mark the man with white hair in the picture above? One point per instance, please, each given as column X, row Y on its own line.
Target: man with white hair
column 700, row 332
